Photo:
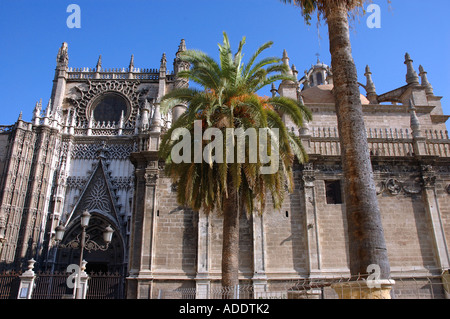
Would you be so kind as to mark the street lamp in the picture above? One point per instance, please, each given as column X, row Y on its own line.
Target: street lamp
column 85, row 242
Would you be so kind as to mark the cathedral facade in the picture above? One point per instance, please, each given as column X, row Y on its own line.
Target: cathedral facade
column 95, row 148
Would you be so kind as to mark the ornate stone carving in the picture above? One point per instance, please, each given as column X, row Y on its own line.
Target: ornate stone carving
column 128, row 89
column 123, row 182
column 426, row 168
column 448, row 188
column 151, row 178
column 98, row 198
column 395, row 187
column 76, row 182
column 92, row 151
column 429, row 181
column 308, row 180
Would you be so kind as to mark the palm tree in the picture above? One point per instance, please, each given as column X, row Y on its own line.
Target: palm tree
column 228, row 102
column 366, row 236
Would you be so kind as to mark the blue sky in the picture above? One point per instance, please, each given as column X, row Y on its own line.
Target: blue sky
column 31, row 31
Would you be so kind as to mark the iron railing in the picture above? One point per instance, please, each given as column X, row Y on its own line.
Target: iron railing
column 9, row 284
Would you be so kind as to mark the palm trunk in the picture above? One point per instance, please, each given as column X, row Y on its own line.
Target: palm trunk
column 365, row 231
column 230, row 248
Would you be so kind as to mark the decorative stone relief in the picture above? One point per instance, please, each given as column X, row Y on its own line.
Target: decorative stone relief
column 92, row 151
column 98, row 198
column 448, row 188
column 428, row 181
column 123, row 182
column 76, row 182
column 151, row 179
column 308, row 180
column 395, row 187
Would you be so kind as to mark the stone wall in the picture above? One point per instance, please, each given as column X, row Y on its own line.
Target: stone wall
column 4, row 143
column 176, row 234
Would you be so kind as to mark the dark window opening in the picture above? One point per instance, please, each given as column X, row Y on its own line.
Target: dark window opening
column 333, row 192
column 109, row 108
column 319, row 79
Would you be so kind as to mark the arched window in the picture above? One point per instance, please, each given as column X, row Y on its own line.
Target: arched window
column 109, row 107
column 319, row 78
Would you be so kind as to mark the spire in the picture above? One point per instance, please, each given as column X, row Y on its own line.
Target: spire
column 99, row 64
column 120, row 125
column 163, row 61
column 131, row 66
column 48, row 109
column 288, row 70
column 181, row 47
column 411, row 75
column 180, row 65
column 37, row 112
column 62, row 59
column 273, row 90
column 137, row 123
column 163, row 67
column 294, row 71
column 47, row 113
column 425, row 82
column 156, row 121
column 370, row 87
column 415, row 124
column 90, row 123
column 145, row 115
column 285, row 60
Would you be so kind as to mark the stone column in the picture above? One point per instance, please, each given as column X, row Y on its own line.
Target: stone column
column 259, row 259
column 27, row 282
column 139, row 282
column 312, row 225
column 202, row 280
column 434, row 215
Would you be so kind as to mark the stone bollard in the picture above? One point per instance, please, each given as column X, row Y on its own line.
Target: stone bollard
column 363, row 290
column 82, row 286
column 27, row 281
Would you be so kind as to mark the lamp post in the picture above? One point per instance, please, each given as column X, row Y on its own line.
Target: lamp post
column 83, row 243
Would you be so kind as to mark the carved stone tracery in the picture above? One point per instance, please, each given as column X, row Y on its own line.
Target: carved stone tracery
column 86, row 96
column 92, row 151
